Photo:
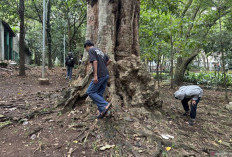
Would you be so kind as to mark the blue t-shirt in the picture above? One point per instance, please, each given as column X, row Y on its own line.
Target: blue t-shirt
column 96, row 54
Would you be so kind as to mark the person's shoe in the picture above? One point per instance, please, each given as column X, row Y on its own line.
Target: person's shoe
column 192, row 122
column 108, row 114
column 187, row 113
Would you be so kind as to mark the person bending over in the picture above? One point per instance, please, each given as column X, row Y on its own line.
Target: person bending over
column 187, row 93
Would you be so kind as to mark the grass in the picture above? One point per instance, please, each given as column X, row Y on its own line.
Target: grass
column 3, row 124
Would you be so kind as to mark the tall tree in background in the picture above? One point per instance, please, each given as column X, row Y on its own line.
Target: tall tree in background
column 113, row 27
column 192, row 36
column 21, row 39
column 49, row 38
column 222, row 52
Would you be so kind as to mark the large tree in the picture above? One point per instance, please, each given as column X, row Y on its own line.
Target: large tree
column 113, row 27
column 201, row 17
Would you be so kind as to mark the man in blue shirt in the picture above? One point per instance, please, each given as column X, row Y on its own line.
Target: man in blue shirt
column 97, row 87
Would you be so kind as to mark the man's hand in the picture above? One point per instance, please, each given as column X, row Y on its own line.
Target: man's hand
column 95, row 80
column 193, row 102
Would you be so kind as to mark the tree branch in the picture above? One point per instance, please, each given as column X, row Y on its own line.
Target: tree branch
column 37, row 11
column 193, row 19
column 189, row 3
column 81, row 22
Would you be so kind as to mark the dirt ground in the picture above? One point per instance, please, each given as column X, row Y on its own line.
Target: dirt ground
column 31, row 125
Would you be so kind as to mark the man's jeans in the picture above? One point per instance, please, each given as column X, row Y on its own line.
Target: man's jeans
column 69, row 72
column 193, row 111
column 96, row 91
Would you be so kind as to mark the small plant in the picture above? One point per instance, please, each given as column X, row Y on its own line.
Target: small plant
column 59, row 113
column 95, row 147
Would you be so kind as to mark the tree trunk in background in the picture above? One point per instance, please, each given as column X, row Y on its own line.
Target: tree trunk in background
column 69, row 36
column 157, row 68
column 49, row 38
column 21, row 40
column 204, row 58
column 113, row 27
column 172, row 59
column 223, row 56
column 181, row 67
column 198, row 62
column 37, row 58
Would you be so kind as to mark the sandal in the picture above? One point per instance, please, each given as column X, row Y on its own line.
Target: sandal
column 101, row 115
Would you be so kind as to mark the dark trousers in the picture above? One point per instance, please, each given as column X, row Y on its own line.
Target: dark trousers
column 69, row 72
column 96, row 91
column 193, row 111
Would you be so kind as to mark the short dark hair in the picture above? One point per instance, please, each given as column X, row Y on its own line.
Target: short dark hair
column 88, row 43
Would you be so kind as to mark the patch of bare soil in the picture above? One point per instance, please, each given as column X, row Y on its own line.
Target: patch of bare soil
column 35, row 127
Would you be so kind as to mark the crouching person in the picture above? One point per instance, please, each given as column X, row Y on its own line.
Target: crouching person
column 187, row 93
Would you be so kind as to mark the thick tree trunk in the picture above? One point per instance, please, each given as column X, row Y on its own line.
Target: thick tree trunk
column 181, row 68
column 49, row 38
column 113, row 27
column 21, row 40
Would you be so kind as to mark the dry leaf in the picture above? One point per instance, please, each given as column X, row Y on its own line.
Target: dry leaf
column 107, row 147
column 168, row 148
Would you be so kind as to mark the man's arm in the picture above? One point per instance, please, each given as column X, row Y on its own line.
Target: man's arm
column 95, row 79
column 108, row 62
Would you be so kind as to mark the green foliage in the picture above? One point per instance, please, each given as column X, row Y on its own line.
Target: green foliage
column 208, row 78
column 163, row 76
column 193, row 25
column 67, row 18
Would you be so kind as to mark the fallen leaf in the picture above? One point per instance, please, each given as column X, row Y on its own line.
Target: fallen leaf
column 140, row 151
column 220, row 141
column 168, row 148
column 75, row 141
column 107, row 147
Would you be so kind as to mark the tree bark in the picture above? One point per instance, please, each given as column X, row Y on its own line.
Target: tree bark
column 223, row 56
column 49, row 38
column 69, row 36
column 172, row 59
column 21, row 40
column 181, row 68
column 113, row 27
column 204, row 58
column 157, row 68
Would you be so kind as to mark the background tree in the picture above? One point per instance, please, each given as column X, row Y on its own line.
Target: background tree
column 21, row 39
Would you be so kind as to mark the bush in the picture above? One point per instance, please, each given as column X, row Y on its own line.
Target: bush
column 163, row 76
column 208, row 78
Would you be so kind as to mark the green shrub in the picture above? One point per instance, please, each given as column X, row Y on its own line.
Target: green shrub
column 209, row 78
column 163, row 76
